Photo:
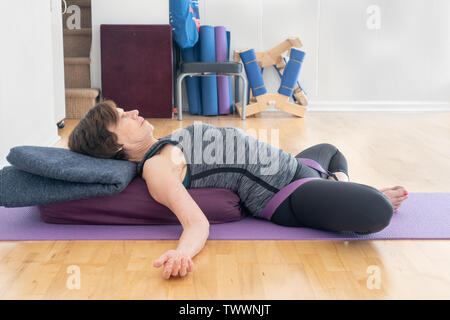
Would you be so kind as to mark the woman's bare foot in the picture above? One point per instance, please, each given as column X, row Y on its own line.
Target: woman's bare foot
column 396, row 195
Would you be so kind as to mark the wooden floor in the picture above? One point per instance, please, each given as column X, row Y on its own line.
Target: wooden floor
column 383, row 149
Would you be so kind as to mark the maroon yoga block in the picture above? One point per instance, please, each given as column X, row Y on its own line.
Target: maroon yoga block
column 137, row 68
column 135, row 206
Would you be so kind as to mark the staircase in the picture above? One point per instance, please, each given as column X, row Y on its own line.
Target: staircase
column 77, row 37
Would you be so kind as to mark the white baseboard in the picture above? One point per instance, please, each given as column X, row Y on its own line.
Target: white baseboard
column 52, row 141
column 370, row 106
column 378, row 106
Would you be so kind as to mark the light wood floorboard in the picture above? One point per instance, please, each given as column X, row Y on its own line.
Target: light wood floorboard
column 382, row 149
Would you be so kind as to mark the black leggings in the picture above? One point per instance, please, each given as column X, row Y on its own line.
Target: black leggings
column 333, row 205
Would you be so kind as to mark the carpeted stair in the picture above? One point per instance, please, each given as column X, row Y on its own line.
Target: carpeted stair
column 79, row 101
column 77, row 72
column 80, row 97
column 77, row 42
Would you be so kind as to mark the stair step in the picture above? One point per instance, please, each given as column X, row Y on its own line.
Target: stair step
column 77, row 72
column 79, row 101
column 82, row 92
column 80, row 3
column 77, row 42
column 78, row 32
column 77, row 60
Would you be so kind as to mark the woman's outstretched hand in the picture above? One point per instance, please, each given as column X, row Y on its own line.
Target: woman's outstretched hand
column 175, row 262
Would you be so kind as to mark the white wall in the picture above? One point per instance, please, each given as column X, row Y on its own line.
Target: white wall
column 121, row 12
column 58, row 62
column 27, row 110
column 403, row 65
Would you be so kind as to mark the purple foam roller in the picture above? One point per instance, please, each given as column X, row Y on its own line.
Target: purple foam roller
column 223, row 89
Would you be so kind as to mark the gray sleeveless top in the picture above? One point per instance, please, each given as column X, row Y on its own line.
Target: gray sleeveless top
column 228, row 157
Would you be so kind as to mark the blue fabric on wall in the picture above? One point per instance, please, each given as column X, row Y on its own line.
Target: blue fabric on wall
column 185, row 21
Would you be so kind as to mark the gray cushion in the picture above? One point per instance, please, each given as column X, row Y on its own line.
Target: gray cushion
column 64, row 164
column 42, row 175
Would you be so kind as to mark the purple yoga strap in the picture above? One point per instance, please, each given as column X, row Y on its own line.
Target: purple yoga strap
column 313, row 164
column 280, row 196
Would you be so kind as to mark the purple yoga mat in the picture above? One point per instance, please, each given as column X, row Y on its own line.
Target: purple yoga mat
column 422, row 216
column 223, row 94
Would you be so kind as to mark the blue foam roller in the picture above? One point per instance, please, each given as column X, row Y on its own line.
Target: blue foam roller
column 229, row 78
column 291, row 72
column 193, row 86
column 228, row 45
column 253, row 72
column 231, row 96
column 298, row 82
column 223, row 86
column 210, row 105
column 281, row 76
column 248, row 88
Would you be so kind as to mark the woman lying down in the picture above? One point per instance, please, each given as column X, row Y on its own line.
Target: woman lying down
column 205, row 156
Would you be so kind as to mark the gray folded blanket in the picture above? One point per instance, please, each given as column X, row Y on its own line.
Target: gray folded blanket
column 43, row 175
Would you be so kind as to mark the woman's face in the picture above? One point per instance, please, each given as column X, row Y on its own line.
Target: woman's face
column 131, row 128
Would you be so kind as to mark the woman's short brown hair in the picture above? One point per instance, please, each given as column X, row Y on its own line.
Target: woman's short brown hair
column 92, row 137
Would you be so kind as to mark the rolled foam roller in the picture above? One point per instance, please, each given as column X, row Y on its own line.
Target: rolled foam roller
column 193, row 88
column 298, row 82
column 210, row 106
column 253, row 72
column 291, row 72
column 223, row 89
column 229, row 78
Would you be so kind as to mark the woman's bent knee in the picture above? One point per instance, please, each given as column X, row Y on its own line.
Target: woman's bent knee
column 327, row 146
column 379, row 211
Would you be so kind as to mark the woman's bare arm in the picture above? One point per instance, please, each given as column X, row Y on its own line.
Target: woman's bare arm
column 166, row 188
